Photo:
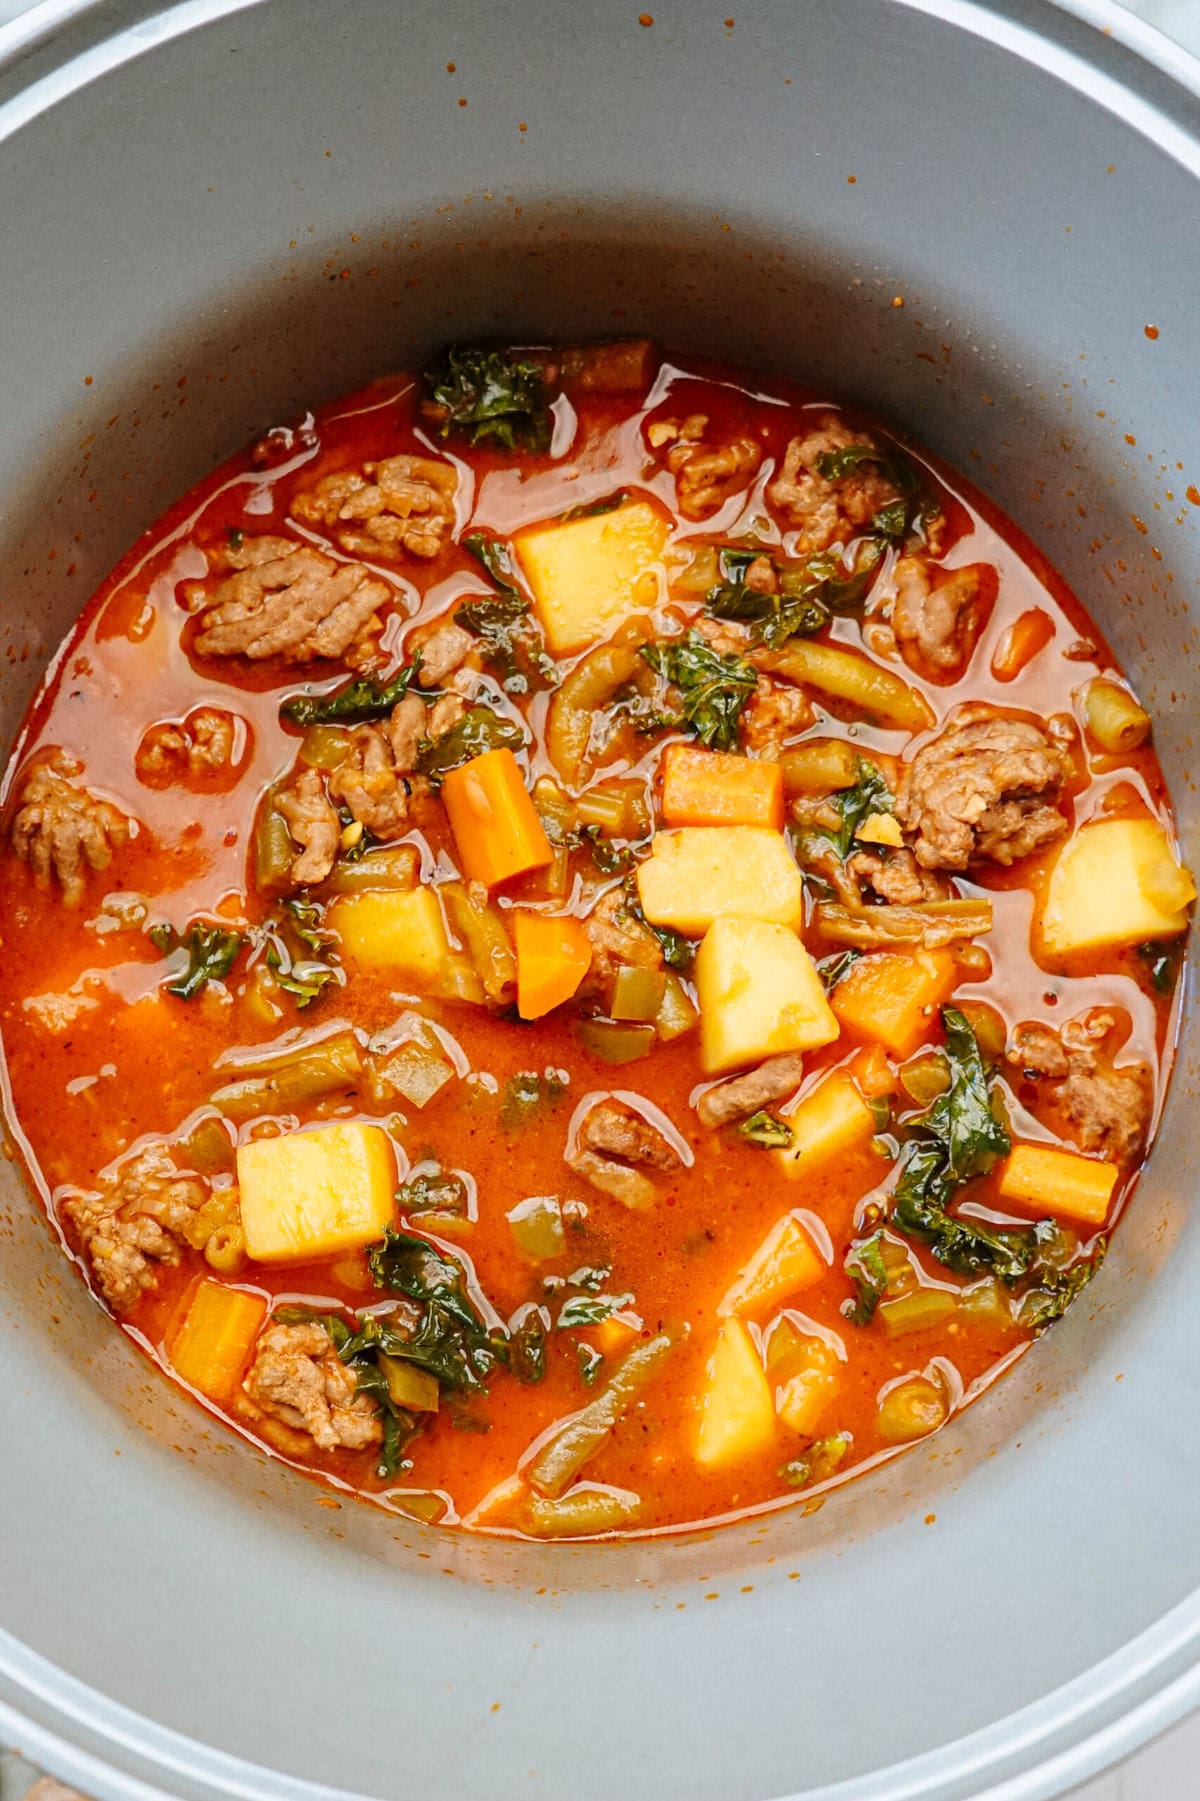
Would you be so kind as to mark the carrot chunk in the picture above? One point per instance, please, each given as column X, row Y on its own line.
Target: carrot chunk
column 212, row 1346
column 1022, row 641
column 707, row 787
column 495, row 823
column 553, row 956
column 1058, row 1182
column 894, row 997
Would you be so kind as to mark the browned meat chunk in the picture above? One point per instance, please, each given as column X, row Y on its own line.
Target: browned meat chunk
column 143, row 1218
column 1105, row 1110
column 706, row 474
column 771, row 1081
column 445, row 712
column 775, row 712
column 619, row 939
column 617, row 1131
column 61, row 830
column 312, row 823
column 201, row 746
column 616, row 1180
column 825, row 512
column 370, row 784
column 987, row 787
column 896, row 876
column 298, row 1377
column 445, row 649
column 406, row 728
column 290, row 601
column 405, row 503
column 938, row 614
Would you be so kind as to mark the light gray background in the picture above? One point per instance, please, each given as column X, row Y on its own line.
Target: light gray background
column 1170, row 1769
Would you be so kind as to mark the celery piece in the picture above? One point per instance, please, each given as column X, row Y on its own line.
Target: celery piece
column 583, row 1434
column 410, row 1387
column 537, row 1227
column 613, row 1042
column 274, row 851
column 916, row 1312
column 637, row 993
column 325, row 746
column 394, row 866
column 677, row 1015
column 911, row 1409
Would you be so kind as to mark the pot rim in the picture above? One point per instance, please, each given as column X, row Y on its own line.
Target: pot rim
column 1070, row 1734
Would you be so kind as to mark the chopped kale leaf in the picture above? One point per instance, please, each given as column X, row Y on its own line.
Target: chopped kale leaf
column 491, row 396
column 365, row 698
column 712, row 688
column 481, row 728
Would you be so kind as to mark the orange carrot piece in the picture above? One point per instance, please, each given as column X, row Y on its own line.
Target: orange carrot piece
column 212, row 1346
column 872, row 1071
column 708, row 787
column 495, row 823
column 554, row 954
column 893, row 996
column 1028, row 634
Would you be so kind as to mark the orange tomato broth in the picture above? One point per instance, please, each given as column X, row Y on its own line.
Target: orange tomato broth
column 133, row 1062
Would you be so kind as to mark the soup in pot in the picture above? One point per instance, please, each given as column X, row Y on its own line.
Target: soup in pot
column 591, row 942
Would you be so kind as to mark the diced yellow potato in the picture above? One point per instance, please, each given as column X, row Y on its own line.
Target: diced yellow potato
column 1115, row 882
column 584, row 574
column 786, row 1261
column 403, row 935
column 805, row 1374
column 313, row 1194
column 737, row 1411
column 760, row 995
column 705, row 872
column 1060, row 1183
column 832, row 1119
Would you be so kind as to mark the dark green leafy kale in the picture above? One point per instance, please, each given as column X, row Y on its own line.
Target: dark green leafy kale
column 821, row 1460
column 451, row 1341
column 593, row 509
column 359, row 1351
column 480, row 728
column 590, row 1277
column 590, row 1360
column 962, row 1118
column 610, row 858
column 914, row 506
column 831, row 969
column 795, row 610
column 762, row 1128
column 1161, row 960
column 297, row 951
column 526, row 1093
column 211, row 954
column 433, row 1191
column 967, row 1246
column 1054, row 1290
column 712, row 688
column 867, row 1270
column 527, row 1346
column 363, row 699
column 850, row 807
column 678, row 951
column 590, row 1309
column 511, row 641
column 491, row 397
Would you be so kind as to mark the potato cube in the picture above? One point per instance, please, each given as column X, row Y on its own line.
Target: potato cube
column 833, row 1119
column 786, row 1261
column 1060, row 1183
column 586, row 575
column 701, row 873
column 402, row 934
column 1115, row 882
column 737, row 1412
column 760, row 995
column 314, row 1194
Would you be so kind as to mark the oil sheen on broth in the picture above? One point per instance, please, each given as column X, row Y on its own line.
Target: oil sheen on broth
column 590, row 943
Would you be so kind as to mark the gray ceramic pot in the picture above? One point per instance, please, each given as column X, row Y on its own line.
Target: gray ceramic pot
column 212, row 214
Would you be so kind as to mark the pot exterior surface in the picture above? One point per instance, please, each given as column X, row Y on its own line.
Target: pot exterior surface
column 215, row 216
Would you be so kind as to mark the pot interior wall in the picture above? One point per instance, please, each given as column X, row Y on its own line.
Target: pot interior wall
column 257, row 214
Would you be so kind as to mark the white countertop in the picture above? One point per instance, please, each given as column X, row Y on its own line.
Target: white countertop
column 1168, row 1770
